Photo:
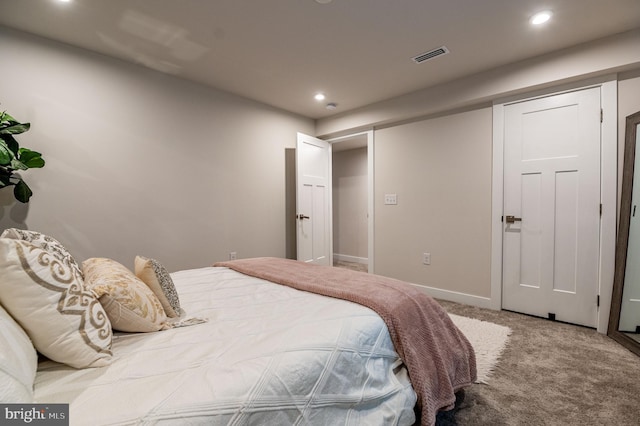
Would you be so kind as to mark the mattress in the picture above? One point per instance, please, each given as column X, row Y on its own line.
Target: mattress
column 268, row 354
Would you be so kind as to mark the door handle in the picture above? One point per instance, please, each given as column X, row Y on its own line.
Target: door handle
column 513, row 219
column 301, row 216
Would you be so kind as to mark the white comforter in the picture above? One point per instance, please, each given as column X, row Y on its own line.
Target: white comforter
column 269, row 355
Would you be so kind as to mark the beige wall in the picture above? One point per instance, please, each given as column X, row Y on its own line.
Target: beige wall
column 140, row 162
column 429, row 163
column 410, row 162
column 143, row 163
column 350, row 196
column 607, row 56
column 440, row 170
column 628, row 103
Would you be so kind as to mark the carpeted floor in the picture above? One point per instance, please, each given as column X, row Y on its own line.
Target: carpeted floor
column 350, row 265
column 551, row 374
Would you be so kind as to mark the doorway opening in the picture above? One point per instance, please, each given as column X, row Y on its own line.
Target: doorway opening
column 352, row 204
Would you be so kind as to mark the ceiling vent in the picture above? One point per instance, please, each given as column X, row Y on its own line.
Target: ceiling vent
column 423, row 57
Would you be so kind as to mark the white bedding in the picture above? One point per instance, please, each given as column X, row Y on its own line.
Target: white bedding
column 269, row 355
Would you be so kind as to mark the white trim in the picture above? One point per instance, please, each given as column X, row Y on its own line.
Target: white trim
column 330, row 201
column 497, row 190
column 609, row 199
column 371, row 197
column 609, row 191
column 454, row 296
column 353, row 259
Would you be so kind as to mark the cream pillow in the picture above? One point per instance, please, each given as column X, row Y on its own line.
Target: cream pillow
column 45, row 242
column 157, row 278
column 47, row 298
column 18, row 361
column 129, row 303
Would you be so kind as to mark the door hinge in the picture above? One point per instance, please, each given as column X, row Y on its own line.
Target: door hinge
column 600, row 209
column 598, row 301
column 601, row 115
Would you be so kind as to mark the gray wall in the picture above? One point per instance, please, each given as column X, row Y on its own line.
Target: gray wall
column 140, row 162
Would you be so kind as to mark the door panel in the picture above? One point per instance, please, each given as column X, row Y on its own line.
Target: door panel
column 552, row 182
column 313, row 182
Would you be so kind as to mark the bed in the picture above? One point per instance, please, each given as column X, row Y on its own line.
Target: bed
column 253, row 341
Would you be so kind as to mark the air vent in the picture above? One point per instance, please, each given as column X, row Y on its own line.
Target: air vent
column 423, row 57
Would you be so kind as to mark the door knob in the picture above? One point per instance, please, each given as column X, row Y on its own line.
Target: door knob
column 513, row 219
column 301, row 216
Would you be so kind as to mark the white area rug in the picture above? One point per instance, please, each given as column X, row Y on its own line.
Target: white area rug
column 488, row 341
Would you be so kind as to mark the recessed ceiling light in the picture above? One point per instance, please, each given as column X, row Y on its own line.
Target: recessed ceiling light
column 540, row 17
column 319, row 97
column 324, row 1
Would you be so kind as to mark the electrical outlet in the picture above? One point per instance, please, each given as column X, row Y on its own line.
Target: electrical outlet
column 426, row 258
column 233, row 255
column 390, row 199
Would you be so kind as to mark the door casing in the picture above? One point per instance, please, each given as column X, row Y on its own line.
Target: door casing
column 370, row 190
column 608, row 164
column 552, row 186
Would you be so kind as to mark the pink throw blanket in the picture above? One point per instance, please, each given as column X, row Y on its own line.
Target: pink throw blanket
column 439, row 358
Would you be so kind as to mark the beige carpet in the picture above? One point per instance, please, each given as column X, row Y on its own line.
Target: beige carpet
column 551, row 373
column 350, row 265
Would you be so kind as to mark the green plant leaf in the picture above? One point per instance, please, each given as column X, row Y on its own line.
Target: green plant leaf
column 18, row 165
column 31, row 159
column 5, row 154
column 11, row 142
column 22, row 192
column 6, row 120
column 15, row 129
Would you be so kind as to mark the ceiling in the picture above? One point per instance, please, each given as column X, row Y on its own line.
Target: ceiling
column 357, row 52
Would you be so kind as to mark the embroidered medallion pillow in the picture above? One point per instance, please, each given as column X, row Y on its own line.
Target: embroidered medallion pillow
column 46, row 296
column 46, row 243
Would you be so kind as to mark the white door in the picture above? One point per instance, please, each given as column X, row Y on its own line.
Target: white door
column 552, row 207
column 313, row 200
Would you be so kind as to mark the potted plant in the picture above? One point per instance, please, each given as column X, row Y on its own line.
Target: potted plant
column 13, row 158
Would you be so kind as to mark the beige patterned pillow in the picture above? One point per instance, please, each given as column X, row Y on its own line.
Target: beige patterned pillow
column 47, row 298
column 129, row 303
column 157, row 278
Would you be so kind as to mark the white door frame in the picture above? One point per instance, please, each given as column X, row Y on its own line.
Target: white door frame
column 609, row 192
column 370, row 190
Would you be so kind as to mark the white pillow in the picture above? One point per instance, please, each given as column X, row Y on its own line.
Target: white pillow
column 47, row 298
column 18, row 362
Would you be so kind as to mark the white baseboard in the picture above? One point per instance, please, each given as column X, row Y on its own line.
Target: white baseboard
column 354, row 259
column 454, row 296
